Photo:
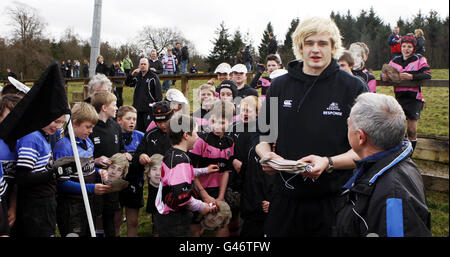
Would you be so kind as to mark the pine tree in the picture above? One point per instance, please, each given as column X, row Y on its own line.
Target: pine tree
column 265, row 42
column 235, row 45
column 286, row 52
column 222, row 48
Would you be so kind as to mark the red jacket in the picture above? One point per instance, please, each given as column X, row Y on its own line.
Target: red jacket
column 394, row 42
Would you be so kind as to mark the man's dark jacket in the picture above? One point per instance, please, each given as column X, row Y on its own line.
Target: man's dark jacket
column 387, row 198
column 147, row 90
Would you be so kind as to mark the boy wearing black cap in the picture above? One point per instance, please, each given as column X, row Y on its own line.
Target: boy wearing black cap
column 227, row 90
column 155, row 141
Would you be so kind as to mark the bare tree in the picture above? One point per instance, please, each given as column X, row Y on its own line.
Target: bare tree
column 29, row 48
column 26, row 23
column 159, row 38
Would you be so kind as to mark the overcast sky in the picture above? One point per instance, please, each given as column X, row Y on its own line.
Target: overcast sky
column 199, row 19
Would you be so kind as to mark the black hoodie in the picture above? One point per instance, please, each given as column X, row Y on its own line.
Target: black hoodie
column 245, row 91
column 312, row 119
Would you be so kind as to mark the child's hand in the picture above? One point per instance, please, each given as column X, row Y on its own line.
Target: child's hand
column 384, row 77
column 205, row 210
column 237, row 164
column 103, row 175
column 144, row 159
column 102, row 161
column 128, row 156
column 265, row 206
column 406, row 76
column 214, row 207
column 101, row 189
column 207, row 198
column 213, row 168
column 211, row 82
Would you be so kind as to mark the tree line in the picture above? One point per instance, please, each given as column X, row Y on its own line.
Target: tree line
column 28, row 51
column 367, row 27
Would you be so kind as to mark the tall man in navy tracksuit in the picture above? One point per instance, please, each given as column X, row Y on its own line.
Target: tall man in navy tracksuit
column 147, row 91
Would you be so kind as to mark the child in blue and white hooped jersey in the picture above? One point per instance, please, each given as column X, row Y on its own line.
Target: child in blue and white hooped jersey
column 36, row 198
column 71, row 214
column 7, row 160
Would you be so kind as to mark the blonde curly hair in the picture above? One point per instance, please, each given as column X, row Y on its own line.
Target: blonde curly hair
column 317, row 25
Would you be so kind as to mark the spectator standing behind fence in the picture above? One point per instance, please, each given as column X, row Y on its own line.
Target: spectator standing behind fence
column 76, row 68
column 169, row 62
column 154, row 63
column 10, row 73
column 69, row 68
column 247, row 58
column 272, row 47
column 184, row 58
column 118, row 89
column 63, row 68
column 127, row 64
column 385, row 197
column 85, row 68
column 411, row 66
column 394, row 42
column 420, row 47
column 177, row 52
column 140, row 56
column 102, row 67
column 147, row 91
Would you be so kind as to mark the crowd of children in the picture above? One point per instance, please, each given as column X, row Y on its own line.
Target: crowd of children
column 192, row 164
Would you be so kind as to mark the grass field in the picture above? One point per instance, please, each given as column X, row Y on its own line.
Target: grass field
column 437, row 204
column 434, row 120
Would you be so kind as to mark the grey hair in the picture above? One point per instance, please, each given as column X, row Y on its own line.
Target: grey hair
column 381, row 117
column 98, row 80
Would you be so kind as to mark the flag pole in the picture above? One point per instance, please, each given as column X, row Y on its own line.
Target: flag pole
column 80, row 176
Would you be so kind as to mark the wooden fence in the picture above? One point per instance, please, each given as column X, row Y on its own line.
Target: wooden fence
column 184, row 78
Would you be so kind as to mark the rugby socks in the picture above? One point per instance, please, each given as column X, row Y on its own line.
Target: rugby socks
column 100, row 233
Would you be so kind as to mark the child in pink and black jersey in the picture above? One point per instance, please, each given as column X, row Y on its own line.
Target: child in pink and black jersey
column 214, row 147
column 411, row 66
column 174, row 201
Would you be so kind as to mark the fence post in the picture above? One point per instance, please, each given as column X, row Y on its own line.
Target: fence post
column 86, row 89
column 184, row 85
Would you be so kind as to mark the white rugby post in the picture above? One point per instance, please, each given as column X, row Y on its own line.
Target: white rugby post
column 95, row 37
column 76, row 156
